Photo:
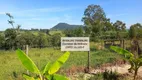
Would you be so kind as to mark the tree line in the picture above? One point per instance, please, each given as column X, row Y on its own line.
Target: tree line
column 15, row 37
column 99, row 27
column 10, row 39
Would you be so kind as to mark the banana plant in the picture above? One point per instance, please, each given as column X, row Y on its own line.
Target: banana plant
column 48, row 72
column 135, row 62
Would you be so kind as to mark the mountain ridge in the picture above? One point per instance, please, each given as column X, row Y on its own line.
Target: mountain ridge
column 64, row 26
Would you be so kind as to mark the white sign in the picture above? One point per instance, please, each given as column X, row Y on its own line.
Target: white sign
column 75, row 44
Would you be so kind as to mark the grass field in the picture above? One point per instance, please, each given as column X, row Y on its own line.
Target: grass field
column 54, row 32
column 12, row 69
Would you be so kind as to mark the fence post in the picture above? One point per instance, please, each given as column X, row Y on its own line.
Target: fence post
column 27, row 50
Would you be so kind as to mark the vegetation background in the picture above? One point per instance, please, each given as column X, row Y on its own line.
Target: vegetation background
column 44, row 44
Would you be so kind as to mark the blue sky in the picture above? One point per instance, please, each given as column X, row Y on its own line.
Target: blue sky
column 47, row 13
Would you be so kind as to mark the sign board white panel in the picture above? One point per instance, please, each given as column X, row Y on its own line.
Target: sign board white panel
column 75, row 44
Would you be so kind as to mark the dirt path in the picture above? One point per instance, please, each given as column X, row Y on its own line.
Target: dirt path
column 122, row 69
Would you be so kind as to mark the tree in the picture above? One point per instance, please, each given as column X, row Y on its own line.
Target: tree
column 10, row 21
column 87, row 31
column 10, row 38
column 94, row 18
column 12, row 34
column 108, row 26
column 18, row 29
column 47, row 32
column 68, row 33
column 96, row 31
column 55, row 40
column 119, row 26
column 108, row 30
column 135, row 30
column 78, row 32
column 134, row 34
column 42, row 40
column 21, row 40
column 92, row 14
column 29, row 38
column 140, row 33
column 2, row 41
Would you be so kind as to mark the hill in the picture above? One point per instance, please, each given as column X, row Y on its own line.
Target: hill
column 64, row 26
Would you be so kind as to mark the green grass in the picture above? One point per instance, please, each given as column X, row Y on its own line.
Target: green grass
column 11, row 66
column 52, row 32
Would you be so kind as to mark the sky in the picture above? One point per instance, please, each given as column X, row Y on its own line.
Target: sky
column 44, row 14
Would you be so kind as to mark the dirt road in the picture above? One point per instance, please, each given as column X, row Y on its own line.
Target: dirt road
column 122, row 69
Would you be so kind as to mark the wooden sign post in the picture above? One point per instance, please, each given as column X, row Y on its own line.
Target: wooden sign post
column 88, row 61
column 76, row 44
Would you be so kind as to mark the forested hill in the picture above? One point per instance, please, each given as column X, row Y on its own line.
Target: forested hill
column 64, row 26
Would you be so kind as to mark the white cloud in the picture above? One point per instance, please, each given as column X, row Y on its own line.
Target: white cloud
column 116, row 15
column 2, row 13
column 37, row 19
column 35, row 12
column 53, row 9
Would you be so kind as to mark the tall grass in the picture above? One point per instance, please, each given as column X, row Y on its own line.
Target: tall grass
column 12, row 69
